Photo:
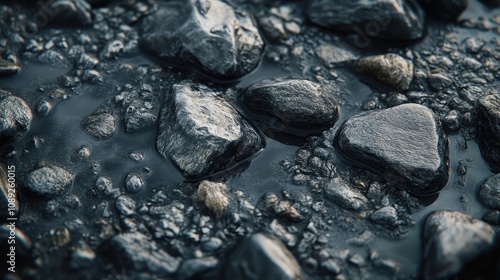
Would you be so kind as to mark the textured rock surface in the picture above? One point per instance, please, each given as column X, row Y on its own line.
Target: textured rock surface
column 488, row 112
column 489, row 192
column 339, row 192
column 389, row 69
column 451, row 240
column 15, row 118
column 262, row 257
column 194, row 32
column 48, row 181
column 100, row 124
column 445, row 9
column 136, row 253
column 406, row 144
column 213, row 195
column 202, row 133
column 388, row 19
column 297, row 103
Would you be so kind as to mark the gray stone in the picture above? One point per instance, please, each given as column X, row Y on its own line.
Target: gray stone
column 488, row 112
column 192, row 267
column 340, row 193
column 70, row 10
column 134, row 183
column 389, row 69
column 48, row 182
column 194, row 32
column 387, row 19
column 406, row 144
column 100, row 124
column 489, row 192
column 444, row 9
column 297, row 103
column 137, row 253
column 8, row 64
column 15, row 118
column 451, row 241
column 202, row 133
column 385, row 216
column 138, row 120
column 262, row 256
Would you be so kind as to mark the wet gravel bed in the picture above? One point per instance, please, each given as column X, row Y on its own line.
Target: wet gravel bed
column 211, row 139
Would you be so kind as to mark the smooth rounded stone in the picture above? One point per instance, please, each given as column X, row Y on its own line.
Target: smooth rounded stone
column 194, row 32
column 192, row 267
column 261, row 257
column 15, row 118
column 406, row 144
column 213, row 195
column 452, row 121
column 134, row 183
column 489, row 192
column 389, row 69
column 297, row 103
column 70, row 10
column 385, row 216
column 202, row 133
column 43, row 107
column 100, row 124
column 387, row 19
column 49, row 181
column 444, row 9
column 137, row 253
column 451, row 241
column 339, row 192
column 488, row 112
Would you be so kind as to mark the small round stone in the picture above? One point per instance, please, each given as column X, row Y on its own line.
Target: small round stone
column 134, row 183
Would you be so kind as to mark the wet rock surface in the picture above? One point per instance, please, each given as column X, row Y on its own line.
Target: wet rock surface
column 262, row 257
column 296, row 103
column 489, row 130
column 202, row 133
column 15, row 118
column 129, row 212
column 489, row 192
column 195, row 33
column 452, row 240
column 388, row 19
column 406, row 144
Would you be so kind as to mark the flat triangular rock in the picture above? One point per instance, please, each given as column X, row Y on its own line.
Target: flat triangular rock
column 406, row 144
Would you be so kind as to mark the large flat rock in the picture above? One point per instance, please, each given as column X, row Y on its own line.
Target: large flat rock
column 406, row 144
column 202, row 133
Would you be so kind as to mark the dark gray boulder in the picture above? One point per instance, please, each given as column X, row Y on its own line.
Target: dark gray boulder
column 15, row 118
column 133, row 253
column 207, row 34
column 488, row 112
column 406, row 144
column 489, row 192
column 48, row 182
column 387, row 19
column 451, row 241
column 202, row 133
column 297, row 103
column 262, row 257
column 444, row 9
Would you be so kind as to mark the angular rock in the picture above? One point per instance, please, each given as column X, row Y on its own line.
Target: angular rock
column 406, row 144
column 213, row 195
column 489, row 192
column 100, row 124
column 48, row 182
column 389, row 69
column 451, row 241
column 297, row 103
column 15, row 118
column 444, row 9
column 137, row 253
column 137, row 121
column 385, row 216
column 262, row 257
column 488, row 112
column 332, row 54
column 202, row 133
column 194, row 32
column 340, row 193
column 387, row 19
